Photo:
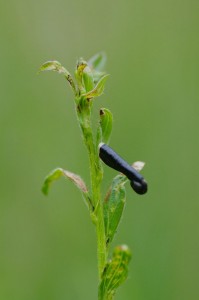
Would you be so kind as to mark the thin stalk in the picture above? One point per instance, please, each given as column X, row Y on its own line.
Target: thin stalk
column 89, row 84
column 84, row 118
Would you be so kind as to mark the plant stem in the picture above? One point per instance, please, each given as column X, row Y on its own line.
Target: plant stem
column 101, row 241
column 84, row 117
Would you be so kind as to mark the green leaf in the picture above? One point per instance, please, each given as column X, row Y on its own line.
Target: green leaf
column 106, row 124
column 98, row 89
column 52, row 66
column 97, row 64
column 115, row 272
column 98, row 61
column 57, row 67
column 114, row 204
column 88, row 79
column 76, row 179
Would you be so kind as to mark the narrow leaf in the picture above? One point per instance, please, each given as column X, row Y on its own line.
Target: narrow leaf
column 98, row 89
column 114, row 204
column 57, row 67
column 52, row 66
column 98, row 61
column 76, row 179
column 115, row 272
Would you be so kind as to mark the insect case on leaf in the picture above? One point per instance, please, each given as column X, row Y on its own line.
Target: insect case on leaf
column 114, row 161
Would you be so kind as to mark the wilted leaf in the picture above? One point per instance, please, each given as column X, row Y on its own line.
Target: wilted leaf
column 57, row 67
column 138, row 165
column 115, row 272
column 52, row 66
column 76, row 179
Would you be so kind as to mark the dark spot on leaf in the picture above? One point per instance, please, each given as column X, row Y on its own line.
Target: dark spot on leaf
column 101, row 112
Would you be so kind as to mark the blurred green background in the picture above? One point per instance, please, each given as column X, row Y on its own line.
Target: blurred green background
column 48, row 245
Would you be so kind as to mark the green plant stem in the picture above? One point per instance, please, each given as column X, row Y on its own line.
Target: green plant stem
column 84, row 117
column 101, row 242
column 89, row 84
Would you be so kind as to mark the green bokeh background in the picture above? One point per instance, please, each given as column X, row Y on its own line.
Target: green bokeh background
column 48, row 245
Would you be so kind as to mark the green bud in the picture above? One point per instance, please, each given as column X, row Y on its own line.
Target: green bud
column 106, row 123
column 81, row 65
column 88, row 79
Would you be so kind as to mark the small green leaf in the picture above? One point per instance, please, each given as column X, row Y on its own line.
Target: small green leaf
column 98, row 61
column 76, row 179
column 52, row 66
column 114, row 204
column 88, row 79
column 115, row 272
column 54, row 175
column 57, row 67
column 97, row 64
column 106, row 123
column 98, row 89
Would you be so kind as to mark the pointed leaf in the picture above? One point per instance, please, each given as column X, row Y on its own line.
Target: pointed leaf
column 115, row 272
column 114, row 204
column 98, row 61
column 98, row 89
column 57, row 67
